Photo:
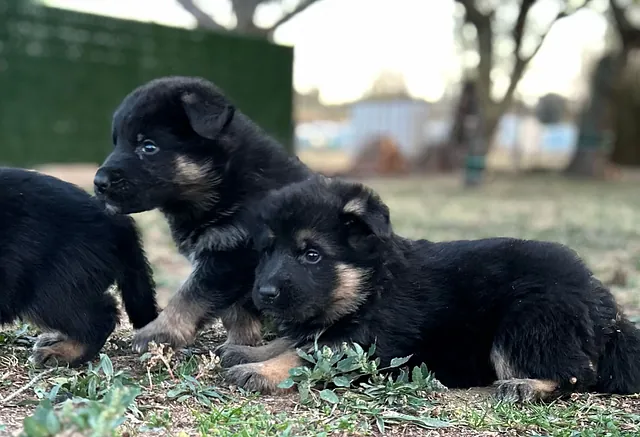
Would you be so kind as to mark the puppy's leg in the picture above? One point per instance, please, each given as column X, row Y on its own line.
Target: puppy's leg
column 264, row 376
column 539, row 352
column 234, row 354
column 82, row 329
column 243, row 325
column 177, row 324
column 187, row 311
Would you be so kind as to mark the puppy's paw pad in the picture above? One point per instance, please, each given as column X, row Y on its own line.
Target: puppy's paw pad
column 515, row 390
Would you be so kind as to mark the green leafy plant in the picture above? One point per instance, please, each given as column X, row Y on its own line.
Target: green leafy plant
column 364, row 386
column 91, row 417
column 17, row 335
column 190, row 387
column 92, row 384
column 157, row 421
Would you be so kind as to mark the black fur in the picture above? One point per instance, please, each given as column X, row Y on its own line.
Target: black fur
column 473, row 311
column 59, row 254
column 209, row 163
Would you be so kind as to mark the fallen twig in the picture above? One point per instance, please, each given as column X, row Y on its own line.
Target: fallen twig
column 27, row 386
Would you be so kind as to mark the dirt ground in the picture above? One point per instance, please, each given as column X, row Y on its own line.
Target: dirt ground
column 599, row 220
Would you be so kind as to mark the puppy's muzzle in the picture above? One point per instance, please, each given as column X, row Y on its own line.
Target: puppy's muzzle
column 105, row 179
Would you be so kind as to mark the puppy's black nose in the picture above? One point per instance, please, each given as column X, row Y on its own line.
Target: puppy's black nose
column 101, row 182
column 268, row 292
column 105, row 179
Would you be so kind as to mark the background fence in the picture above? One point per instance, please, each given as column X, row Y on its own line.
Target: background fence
column 63, row 73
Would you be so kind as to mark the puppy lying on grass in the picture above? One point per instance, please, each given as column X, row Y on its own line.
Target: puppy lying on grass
column 527, row 316
column 59, row 254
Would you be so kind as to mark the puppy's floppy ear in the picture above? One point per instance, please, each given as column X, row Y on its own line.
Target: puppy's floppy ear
column 208, row 116
column 366, row 213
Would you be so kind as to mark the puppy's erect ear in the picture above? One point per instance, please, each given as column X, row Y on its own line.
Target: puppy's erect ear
column 208, row 117
column 366, row 213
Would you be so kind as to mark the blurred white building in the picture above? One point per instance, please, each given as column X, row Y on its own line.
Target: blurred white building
column 401, row 118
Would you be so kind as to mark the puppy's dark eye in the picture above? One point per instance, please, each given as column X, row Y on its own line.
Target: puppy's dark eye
column 312, row 256
column 148, row 147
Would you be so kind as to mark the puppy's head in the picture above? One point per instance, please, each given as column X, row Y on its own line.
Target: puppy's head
column 169, row 146
column 320, row 244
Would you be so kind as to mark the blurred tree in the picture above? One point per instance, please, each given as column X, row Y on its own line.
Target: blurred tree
column 613, row 109
column 551, row 108
column 626, row 92
column 245, row 11
column 594, row 123
column 494, row 35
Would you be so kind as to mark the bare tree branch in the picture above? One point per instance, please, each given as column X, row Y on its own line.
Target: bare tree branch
column 562, row 14
column 245, row 11
column 521, row 62
column 202, row 18
column 304, row 4
column 518, row 28
column 473, row 14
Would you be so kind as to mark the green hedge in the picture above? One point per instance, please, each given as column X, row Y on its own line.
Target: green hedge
column 63, row 73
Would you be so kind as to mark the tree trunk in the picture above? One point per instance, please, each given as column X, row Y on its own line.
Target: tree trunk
column 626, row 106
column 594, row 127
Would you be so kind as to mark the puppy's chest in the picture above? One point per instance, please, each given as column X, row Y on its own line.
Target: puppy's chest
column 193, row 243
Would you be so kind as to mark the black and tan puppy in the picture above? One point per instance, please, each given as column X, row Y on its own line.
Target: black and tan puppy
column 59, row 254
column 526, row 315
column 181, row 146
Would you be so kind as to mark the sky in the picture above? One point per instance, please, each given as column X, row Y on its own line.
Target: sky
column 341, row 46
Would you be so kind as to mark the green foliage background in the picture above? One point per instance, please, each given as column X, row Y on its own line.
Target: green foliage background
column 63, row 73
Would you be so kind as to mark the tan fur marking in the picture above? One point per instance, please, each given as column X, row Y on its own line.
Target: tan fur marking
column 348, row 294
column 179, row 321
column 66, row 350
column 189, row 172
column 234, row 354
column 183, row 317
column 277, row 369
column 265, row 376
column 242, row 327
column 503, row 369
column 355, row 206
column 544, row 387
column 525, row 390
column 309, row 235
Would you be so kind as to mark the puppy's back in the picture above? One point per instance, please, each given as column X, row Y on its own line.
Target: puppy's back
column 54, row 235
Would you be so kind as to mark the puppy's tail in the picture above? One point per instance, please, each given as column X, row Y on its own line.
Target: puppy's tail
column 619, row 365
column 135, row 278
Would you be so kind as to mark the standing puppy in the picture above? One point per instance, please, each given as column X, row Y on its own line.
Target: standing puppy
column 59, row 254
column 526, row 315
column 181, row 146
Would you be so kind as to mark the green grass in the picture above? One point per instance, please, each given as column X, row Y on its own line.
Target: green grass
column 184, row 393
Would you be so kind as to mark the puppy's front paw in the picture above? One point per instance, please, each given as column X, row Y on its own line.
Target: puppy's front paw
column 232, row 355
column 524, row 390
column 252, row 377
column 160, row 333
column 58, row 347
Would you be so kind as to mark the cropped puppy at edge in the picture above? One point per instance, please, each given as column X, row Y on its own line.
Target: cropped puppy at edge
column 59, row 254
column 527, row 316
column 182, row 147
